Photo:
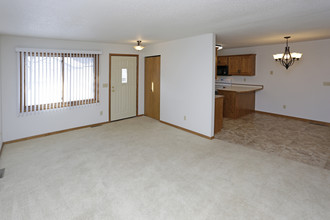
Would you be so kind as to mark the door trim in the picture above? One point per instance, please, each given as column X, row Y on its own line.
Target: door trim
column 137, row 80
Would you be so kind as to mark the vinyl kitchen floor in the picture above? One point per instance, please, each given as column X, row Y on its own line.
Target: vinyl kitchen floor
column 289, row 138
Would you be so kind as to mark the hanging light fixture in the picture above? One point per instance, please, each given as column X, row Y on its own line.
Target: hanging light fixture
column 287, row 58
column 218, row 46
column 138, row 46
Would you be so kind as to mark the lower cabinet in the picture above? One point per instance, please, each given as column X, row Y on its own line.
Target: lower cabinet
column 218, row 114
column 237, row 104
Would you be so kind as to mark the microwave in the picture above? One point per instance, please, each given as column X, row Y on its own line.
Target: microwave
column 222, row 70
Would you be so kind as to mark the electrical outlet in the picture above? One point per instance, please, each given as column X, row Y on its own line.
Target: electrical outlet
column 271, row 72
column 101, row 112
column 184, row 117
column 284, row 106
column 326, row 83
column 244, row 79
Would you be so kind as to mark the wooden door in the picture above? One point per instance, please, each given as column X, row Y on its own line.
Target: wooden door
column 123, row 82
column 152, row 87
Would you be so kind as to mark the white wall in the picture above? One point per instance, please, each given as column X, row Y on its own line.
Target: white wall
column 187, row 82
column 0, row 99
column 14, row 127
column 300, row 87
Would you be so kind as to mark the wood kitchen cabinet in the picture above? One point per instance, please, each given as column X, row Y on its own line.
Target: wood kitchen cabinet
column 234, row 65
column 218, row 113
column 238, row 100
column 222, row 61
column 237, row 104
column 247, row 65
column 240, row 65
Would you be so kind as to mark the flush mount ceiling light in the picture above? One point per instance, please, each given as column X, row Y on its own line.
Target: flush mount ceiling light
column 218, row 46
column 138, row 46
column 287, row 59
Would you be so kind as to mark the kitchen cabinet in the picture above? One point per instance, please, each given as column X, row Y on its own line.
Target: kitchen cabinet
column 222, row 61
column 247, row 65
column 240, row 65
column 218, row 113
column 238, row 101
column 234, row 65
column 236, row 104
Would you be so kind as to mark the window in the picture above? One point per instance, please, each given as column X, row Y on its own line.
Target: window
column 53, row 80
column 123, row 75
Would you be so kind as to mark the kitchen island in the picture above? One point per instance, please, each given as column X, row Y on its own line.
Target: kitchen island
column 239, row 100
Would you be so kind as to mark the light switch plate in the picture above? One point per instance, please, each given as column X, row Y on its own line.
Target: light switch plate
column 105, row 85
column 326, row 83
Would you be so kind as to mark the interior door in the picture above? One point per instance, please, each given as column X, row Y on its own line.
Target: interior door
column 123, row 79
column 152, row 87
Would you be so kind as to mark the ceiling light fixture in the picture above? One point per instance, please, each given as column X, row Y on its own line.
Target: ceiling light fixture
column 287, row 59
column 218, row 46
column 138, row 46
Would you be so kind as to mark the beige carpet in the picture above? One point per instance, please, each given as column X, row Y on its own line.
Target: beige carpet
column 142, row 169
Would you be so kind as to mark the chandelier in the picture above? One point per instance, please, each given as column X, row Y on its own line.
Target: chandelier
column 287, row 59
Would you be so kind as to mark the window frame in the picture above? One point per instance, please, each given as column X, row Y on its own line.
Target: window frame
column 23, row 55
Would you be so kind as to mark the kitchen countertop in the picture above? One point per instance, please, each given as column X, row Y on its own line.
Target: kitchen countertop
column 241, row 88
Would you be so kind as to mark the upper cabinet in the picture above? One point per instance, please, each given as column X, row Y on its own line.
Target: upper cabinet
column 222, row 61
column 239, row 65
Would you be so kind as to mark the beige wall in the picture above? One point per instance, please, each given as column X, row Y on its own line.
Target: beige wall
column 15, row 127
column 187, row 82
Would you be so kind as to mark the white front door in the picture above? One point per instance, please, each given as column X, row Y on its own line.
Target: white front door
column 123, row 87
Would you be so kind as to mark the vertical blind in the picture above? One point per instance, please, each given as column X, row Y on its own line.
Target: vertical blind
column 54, row 80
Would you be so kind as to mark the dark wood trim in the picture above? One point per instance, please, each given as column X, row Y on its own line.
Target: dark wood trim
column 137, row 80
column 20, row 82
column 296, row 118
column 140, row 115
column 98, row 78
column 152, row 56
column 137, row 85
column 187, row 130
column 54, row 132
column 124, row 55
column 109, row 88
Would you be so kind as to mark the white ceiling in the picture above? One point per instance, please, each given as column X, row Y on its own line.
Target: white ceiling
column 237, row 23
